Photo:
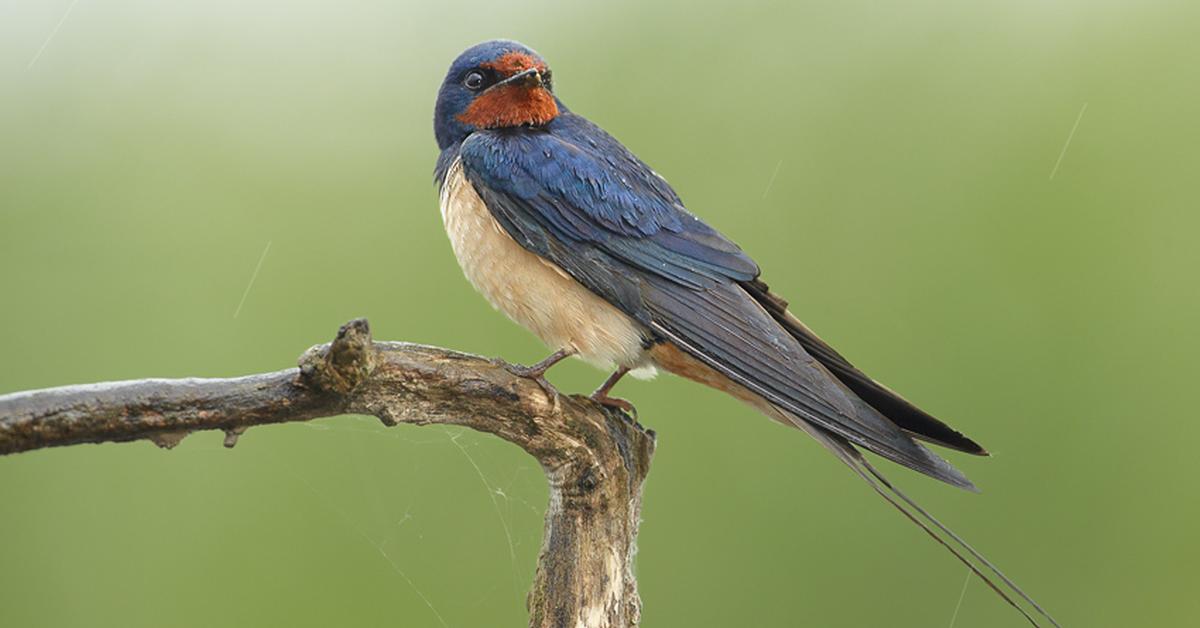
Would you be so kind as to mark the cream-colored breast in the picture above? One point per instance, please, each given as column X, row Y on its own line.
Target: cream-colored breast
column 532, row 291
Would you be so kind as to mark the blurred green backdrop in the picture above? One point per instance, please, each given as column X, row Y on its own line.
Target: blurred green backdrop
column 890, row 166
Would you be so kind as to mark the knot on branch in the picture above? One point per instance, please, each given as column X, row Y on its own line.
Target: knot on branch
column 343, row 364
column 601, row 453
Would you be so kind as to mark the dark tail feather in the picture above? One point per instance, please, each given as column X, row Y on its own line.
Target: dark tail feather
column 880, row 484
column 899, row 410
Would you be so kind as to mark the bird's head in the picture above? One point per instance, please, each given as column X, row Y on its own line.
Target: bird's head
column 493, row 85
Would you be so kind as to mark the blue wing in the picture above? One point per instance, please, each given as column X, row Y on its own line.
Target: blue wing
column 585, row 187
column 572, row 194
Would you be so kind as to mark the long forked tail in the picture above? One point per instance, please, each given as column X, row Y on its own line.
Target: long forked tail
column 919, row 516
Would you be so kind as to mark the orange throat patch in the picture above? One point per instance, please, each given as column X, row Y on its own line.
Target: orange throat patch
column 511, row 105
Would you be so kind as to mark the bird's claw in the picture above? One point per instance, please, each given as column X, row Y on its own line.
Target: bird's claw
column 613, row 402
column 535, row 373
column 547, row 387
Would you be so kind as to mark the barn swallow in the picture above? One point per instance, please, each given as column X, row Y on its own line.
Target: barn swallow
column 572, row 236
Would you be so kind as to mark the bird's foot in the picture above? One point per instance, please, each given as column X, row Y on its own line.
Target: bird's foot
column 613, row 402
column 536, row 373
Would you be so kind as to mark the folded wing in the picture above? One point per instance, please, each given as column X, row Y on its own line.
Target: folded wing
column 575, row 196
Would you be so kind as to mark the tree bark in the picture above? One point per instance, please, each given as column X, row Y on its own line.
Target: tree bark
column 595, row 458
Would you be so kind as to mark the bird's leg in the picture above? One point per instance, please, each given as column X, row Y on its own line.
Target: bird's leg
column 601, row 395
column 537, row 372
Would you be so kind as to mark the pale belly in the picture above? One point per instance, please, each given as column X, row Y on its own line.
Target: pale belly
column 534, row 292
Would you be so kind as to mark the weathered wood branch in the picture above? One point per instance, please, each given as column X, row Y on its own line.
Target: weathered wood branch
column 595, row 458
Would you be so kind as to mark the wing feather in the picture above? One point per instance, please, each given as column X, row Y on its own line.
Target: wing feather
column 575, row 196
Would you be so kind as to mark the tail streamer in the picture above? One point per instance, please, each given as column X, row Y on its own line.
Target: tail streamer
column 919, row 516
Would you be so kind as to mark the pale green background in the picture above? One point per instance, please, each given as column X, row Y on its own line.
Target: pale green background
column 153, row 149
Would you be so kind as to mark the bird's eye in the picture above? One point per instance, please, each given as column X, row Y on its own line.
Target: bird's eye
column 473, row 80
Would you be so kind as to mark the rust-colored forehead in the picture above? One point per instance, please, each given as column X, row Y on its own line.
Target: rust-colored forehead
column 511, row 63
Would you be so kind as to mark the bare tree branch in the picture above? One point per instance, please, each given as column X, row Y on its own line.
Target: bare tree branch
column 595, row 459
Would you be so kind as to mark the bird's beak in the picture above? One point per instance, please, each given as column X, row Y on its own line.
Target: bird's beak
column 528, row 78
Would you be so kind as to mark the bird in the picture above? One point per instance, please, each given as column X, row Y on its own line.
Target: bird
column 572, row 236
